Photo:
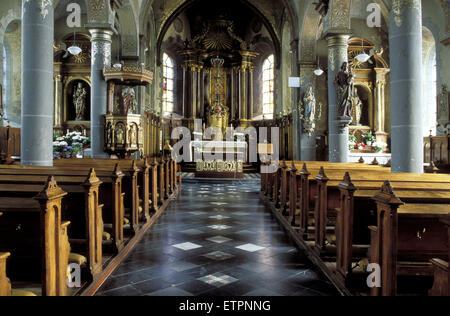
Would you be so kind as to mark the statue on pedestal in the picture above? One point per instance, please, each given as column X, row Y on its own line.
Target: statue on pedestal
column 357, row 107
column 309, row 103
column 309, row 114
column 79, row 100
column 344, row 82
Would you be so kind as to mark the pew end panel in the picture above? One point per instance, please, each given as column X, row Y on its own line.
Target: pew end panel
column 5, row 284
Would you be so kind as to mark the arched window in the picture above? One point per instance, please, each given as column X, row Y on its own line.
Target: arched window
column 6, row 93
column 268, row 87
column 429, row 73
column 168, row 85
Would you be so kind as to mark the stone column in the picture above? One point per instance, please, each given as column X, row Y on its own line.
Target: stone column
column 405, row 42
column 37, row 83
column 337, row 127
column 306, row 130
column 101, row 57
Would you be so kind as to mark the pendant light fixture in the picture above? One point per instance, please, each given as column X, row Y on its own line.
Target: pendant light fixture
column 74, row 49
column 318, row 72
column 118, row 64
column 362, row 57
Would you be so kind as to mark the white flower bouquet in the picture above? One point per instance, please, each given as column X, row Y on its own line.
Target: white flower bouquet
column 67, row 146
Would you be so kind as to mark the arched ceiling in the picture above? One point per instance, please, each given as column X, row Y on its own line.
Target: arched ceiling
column 269, row 11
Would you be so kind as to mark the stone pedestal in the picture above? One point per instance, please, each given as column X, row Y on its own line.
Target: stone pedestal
column 37, row 83
column 341, row 147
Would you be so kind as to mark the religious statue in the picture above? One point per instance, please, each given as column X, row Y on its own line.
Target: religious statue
column 309, row 113
column 344, row 82
column 443, row 104
column 109, row 135
column 357, row 107
column 79, row 100
column 119, row 135
column 309, row 104
column 132, row 137
column 129, row 100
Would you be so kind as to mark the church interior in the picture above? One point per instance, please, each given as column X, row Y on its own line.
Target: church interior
column 253, row 148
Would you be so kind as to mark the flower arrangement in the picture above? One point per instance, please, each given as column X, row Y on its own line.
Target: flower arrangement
column 69, row 145
column 369, row 142
column 369, row 139
column 379, row 146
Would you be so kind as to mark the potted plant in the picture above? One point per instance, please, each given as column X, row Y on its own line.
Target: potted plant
column 369, row 139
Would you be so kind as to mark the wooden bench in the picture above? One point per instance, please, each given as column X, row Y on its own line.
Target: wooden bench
column 441, row 286
column 37, row 238
column 330, row 200
column 406, row 237
column 5, row 284
column 86, row 230
column 111, row 194
column 355, row 199
column 134, row 183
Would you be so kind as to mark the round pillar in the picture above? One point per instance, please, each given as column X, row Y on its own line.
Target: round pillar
column 337, row 127
column 37, row 83
column 405, row 43
column 101, row 57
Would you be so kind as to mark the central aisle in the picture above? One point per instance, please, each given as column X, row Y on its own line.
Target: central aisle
column 217, row 239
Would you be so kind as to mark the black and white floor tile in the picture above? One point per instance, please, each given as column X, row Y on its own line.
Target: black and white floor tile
column 217, row 239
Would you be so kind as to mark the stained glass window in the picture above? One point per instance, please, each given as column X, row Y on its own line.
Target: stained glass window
column 168, row 85
column 268, row 87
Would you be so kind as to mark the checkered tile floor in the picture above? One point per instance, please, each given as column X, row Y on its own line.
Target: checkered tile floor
column 217, row 239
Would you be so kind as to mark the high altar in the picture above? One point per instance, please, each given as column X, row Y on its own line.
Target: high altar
column 218, row 89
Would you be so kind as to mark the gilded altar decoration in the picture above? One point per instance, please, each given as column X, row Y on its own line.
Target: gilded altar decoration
column 220, row 166
column 79, row 101
column 218, row 113
column 344, row 82
column 310, row 113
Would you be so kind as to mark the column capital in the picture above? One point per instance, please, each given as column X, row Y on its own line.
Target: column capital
column 99, row 34
column 337, row 39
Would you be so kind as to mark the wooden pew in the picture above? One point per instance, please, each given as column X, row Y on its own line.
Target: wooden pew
column 396, row 237
column 133, row 183
column 308, row 189
column 51, row 258
column 441, row 286
column 111, row 195
column 327, row 187
column 82, row 194
column 353, row 214
column 5, row 284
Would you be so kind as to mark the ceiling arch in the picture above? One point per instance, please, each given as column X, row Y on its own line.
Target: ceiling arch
column 173, row 13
